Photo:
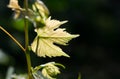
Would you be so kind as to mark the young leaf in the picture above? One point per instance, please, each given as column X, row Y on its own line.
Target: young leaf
column 41, row 8
column 43, row 44
column 48, row 71
column 13, row 4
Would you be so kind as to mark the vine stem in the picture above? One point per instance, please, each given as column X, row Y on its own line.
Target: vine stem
column 12, row 38
column 27, row 51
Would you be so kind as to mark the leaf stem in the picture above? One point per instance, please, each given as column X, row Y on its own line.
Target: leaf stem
column 12, row 38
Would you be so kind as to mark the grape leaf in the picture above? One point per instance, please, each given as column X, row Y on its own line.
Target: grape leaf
column 43, row 45
column 13, row 4
column 42, row 9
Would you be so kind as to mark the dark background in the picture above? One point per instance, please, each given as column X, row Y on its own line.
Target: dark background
column 95, row 54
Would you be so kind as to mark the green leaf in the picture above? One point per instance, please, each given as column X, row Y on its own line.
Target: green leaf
column 43, row 45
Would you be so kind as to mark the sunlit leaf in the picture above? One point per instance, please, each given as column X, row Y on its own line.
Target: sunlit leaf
column 41, row 8
column 43, row 45
column 48, row 71
column 13, row 4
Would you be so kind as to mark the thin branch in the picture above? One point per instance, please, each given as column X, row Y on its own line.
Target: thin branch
column 12, row 38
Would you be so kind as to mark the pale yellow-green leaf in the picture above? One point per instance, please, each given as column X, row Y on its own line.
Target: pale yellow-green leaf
column 43, row 45
column 49, row 70
column 13, row 4
column 44, row 72
column 41, row 8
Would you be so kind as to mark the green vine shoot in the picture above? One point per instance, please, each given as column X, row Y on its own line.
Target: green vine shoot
column 48, row 32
